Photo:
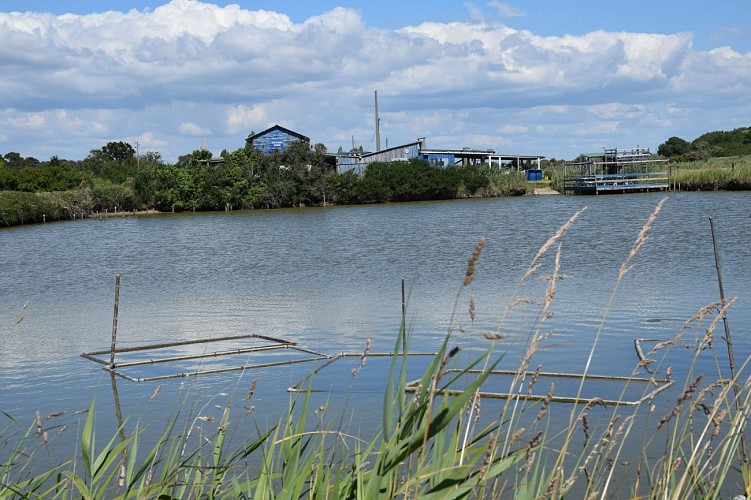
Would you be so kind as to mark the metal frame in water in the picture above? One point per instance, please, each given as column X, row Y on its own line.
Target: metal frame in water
column 271, row 344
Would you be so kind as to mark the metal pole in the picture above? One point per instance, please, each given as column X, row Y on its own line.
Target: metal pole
column 114, row 322
column 404, row 321
column 728, row 340
column 377, row 124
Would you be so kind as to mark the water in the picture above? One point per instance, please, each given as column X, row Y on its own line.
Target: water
column 330, row 279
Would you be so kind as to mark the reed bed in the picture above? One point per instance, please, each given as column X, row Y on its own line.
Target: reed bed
column 431, row 445
column 725, row 174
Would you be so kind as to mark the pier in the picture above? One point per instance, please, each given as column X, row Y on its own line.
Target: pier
column 615, row 171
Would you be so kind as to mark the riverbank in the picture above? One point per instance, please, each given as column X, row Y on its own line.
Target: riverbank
column 130, row 213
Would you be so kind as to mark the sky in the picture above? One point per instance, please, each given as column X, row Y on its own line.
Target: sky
column 546, row 77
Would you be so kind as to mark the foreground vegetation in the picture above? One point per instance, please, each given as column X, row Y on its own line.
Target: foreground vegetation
column 431, row 446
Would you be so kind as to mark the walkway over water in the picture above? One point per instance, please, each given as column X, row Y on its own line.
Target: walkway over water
column 615, row 171
column 615, row 183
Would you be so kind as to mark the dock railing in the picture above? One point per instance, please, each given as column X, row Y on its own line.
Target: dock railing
column 602, row 183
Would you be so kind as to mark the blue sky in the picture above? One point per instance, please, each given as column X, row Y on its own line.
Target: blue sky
column 547, row 77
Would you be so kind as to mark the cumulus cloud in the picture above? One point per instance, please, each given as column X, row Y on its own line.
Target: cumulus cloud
column 190, row 128
column 241, row 117
column 191, row 68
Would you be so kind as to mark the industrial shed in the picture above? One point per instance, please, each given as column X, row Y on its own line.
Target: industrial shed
column 275, row 138
column 358, row 162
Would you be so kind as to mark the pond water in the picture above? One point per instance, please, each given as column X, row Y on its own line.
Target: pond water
column 330, row 279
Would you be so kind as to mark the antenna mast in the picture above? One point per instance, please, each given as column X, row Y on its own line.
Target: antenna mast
column 377, row 124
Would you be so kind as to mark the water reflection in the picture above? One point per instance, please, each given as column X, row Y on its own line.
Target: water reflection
column 330, row 279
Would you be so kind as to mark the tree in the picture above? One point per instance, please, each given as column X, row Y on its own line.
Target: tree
column 14, row 160
column 118, row 151
column 675, row 146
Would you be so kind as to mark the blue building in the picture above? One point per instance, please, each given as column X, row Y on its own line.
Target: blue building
column 276, row 138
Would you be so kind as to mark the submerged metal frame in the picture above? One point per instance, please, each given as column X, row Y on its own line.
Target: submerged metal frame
column 661, row 385
column 275, row 344
column 298, row 386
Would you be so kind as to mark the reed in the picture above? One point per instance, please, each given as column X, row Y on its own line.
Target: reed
column 723, row 174
column 430, row 444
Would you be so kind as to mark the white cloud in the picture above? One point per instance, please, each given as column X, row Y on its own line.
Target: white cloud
column 27, row 120
column 241, row 117
column 190, row 67
column 506, row 10
column 191, row 128
column 147, row 141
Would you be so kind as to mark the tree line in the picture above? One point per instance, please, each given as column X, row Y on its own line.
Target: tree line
column 736, row 142
column 115, row 178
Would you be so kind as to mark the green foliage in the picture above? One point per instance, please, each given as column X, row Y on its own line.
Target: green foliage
column 118, row 151
column 60, row 177
column 675, row 146
column 115, row 162
column 717, row 174
column 716, row 144
column 18, row 208
column 113, row 198
column 418, row 180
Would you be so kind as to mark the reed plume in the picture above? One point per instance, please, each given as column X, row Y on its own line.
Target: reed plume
column 472, row 261
column 546, row 246
column 641, row 239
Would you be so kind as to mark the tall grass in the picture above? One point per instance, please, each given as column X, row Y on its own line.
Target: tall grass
column 728, row 174
column 431, row 444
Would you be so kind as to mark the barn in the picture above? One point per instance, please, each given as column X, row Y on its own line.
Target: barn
column 272, row 139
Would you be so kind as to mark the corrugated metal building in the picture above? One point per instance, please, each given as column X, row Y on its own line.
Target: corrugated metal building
column 275, row 138
column 358, row 162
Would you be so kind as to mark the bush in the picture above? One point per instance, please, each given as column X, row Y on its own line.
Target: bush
column 18, row 208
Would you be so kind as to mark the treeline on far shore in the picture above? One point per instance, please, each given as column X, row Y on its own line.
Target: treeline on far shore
column 244, row 179
column 115, row 179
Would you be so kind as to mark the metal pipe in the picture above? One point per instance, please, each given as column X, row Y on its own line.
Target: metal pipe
column 731, row 357
column 114, row 321
column 728, row 340
column 224, row 370
column 214, row 354
column 189, row 342
column 404, row 320
column 565, row 375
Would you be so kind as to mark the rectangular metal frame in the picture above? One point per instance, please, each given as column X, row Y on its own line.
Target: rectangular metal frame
column 661, row 385
column 275, row 344
column 298, row 386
